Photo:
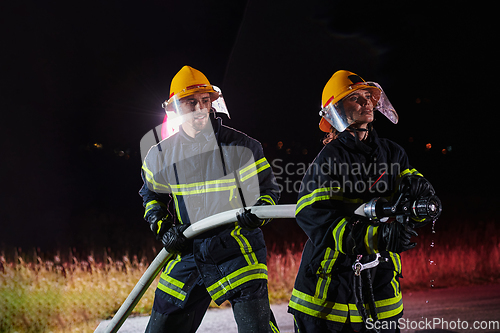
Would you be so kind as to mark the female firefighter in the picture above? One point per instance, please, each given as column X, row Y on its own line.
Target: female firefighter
column 348, row 278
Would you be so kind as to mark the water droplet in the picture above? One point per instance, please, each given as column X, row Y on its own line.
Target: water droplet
column 426, row 302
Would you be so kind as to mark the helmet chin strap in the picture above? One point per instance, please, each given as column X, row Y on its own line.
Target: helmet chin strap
column 355, row 131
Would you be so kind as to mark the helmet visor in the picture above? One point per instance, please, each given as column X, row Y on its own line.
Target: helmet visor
column 181, row 107
column 337, row 117
column 183, row 104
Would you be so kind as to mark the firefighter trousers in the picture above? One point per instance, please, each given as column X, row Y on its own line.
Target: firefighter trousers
column 252, row 315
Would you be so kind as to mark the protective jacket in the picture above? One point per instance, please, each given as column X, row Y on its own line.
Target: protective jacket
column 207, row 175
column 345, row 174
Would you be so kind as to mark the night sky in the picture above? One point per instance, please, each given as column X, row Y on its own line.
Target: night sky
column 82, row 82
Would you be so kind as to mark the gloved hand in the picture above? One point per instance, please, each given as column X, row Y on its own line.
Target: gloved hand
column 396, row 237
column 250, row 221
column 416, row 186
column 174, row 240
column 160, row 225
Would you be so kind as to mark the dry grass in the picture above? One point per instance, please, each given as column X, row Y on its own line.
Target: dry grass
column 72, row 295
column 55, row 296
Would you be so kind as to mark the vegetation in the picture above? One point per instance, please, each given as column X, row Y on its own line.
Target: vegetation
column 69, row 293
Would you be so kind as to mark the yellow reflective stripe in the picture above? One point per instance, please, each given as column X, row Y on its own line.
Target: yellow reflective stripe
column 394, row 284
column 317, row 307
column 204, row 187
column 177, row 210
column 371, row 239
column 170, row 285
column 171, row 264
column 268, row 199
column 325, row 276
column 322, row 193
column 409, row 172
column 237, row 278
column 274, row 329
column 396, row 261
column 354, row 315
column 254, row 169
column 150, row 205
column 389, row 307
column 338, row 234
column 245, row 247
column 150, row 179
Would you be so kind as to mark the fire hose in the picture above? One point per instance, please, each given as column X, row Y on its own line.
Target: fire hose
column 195, row 229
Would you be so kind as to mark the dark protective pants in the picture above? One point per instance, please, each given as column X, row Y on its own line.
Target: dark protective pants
column 251, row 311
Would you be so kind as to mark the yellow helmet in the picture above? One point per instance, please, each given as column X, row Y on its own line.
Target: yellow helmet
column 189, row 81
column 341, row 84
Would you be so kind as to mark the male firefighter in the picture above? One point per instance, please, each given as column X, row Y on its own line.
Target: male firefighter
column 207, row 168
column 335, row 289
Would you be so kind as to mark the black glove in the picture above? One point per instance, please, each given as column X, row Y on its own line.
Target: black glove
column 415, row 187
column 160, row 225
column 396, row 237
column 174, row 240
column 250, row 221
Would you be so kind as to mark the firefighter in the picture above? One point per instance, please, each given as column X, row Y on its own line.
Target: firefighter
column 354, row 166
column 204, row 169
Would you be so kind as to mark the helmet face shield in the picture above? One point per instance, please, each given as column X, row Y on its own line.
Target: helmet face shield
column 182, row 106
column 384, row 106
column 337, row 117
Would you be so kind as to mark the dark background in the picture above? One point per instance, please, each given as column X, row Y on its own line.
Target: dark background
column 81, row 83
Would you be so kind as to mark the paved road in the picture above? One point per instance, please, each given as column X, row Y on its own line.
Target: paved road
column 435, row 310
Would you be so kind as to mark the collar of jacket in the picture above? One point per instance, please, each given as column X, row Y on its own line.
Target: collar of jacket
column 206, row 135
column 367, row 147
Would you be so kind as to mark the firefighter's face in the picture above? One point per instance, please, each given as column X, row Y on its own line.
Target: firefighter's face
column 358, row 106
column 197, row 107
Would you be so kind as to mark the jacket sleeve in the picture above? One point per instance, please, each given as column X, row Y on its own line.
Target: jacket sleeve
column 320, row 211
column 155, row 190
column 256, row 176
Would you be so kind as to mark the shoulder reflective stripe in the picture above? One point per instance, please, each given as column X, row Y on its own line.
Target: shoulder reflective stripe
column 267, row 198
column 325, row 276
column 371, row 239
column 237, row 278
column 150, row 179
column 322, row 193
column 254, row 169
column 389, row 307
column 245, row 247
column 338, row 234
column 318, row 308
